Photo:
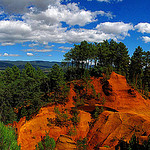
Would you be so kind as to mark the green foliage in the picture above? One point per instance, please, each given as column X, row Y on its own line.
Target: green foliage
column 46, row 144
column 64, row 119
column 103, row 100
column 8, row 139
column 56, row 76
column 133, row 144
column 98, row 111
column 106, row 146
column 28, row 90
column 82, row 144
column 75, row 119
column 100, row 55
column 56, row 110
column 72, row 131
column 96, row 71
column 86, row 75
column 58, row 88
column 108, row 56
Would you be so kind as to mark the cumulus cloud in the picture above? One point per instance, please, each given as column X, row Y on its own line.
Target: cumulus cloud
column 14, row 32
column 78, row 35
column 146, row 39
column 12, row 55
column 45, row 25
column 70, row 14
column 30, row 54
column 143, row 27
column 21, row 6
column 117, row 28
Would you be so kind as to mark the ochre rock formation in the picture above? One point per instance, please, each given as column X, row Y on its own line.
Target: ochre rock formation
column 113, row 126
column 32, row 131
column 125, row 112
column 132, row 115
column 65, row 142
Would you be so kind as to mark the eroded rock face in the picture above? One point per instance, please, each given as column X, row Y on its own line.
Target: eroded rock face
column 113, row 126
column 65, row 142
column 32, row 131
column 107, row 88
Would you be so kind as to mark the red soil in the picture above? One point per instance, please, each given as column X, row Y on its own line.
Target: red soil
column 133, row 115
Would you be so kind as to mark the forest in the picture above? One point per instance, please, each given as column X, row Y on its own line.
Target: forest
column 24, row 92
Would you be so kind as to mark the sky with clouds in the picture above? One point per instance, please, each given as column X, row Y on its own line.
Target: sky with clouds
column 47, row 29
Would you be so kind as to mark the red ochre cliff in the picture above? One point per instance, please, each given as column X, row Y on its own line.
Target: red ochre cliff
column 125, row 112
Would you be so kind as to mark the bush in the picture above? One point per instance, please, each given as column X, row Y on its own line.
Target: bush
column 82, row 144
column 46, row 144
column 72, row 131
column 8, row 139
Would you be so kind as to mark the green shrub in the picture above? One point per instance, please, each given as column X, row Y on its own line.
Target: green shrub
column 72, row 131
column 82, row 144
column 46, row 144
column 8, row 139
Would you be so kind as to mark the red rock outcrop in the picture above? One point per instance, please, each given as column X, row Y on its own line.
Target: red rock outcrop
column 125, row 112
column 32, row 131
column 65, row 143
column 132, row 116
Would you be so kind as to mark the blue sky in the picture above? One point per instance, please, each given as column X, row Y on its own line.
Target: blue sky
column 47, row 29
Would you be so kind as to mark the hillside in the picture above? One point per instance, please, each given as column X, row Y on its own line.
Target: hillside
column 125, row 112
column 21, row 64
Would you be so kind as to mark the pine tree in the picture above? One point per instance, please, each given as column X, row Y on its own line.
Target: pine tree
column 136, row 65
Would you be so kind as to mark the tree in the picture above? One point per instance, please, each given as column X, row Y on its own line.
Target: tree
column 121, row 60
column 56, row 77
column 146, row 72
column 16, row 72
column 8, row 75
column 29, row 70
column 136, row 67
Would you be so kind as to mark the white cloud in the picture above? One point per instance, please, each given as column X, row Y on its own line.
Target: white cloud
column 108, row 1
column 21, row 6
column 63, row 51
column 78, row 35
column 12, row 55
column 146, row 39
column 1, row 12
column 65, row 48
column 30, row 54
column 143, row 27
column 6, row 44
column 37, row 50
column 70, row 13
column 33, row 44
column 49, row 46
column 116, row 28
column 44, row 26
column 14, row 32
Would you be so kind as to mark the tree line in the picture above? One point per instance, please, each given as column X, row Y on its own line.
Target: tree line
column 108, row 56
column 24, row 92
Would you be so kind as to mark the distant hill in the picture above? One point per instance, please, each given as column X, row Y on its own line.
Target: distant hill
column 44, row 65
